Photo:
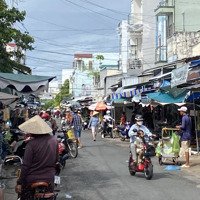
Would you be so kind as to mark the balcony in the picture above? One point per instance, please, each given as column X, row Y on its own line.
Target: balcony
column 161, row 54
column 134, row 67
column 165, row 7
column 135, row 23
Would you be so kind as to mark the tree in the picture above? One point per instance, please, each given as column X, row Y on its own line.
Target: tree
column 100, row 58
column 23, row 41
column 64, row 93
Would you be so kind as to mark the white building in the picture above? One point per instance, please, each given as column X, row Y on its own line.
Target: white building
column 142, row 27
column 66, row 74
column 124, row 37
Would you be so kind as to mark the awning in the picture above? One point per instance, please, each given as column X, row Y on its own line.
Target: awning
column 24, row 83
column 165, row 98
column 7, row 99
column 195, row 63
column 128, row 92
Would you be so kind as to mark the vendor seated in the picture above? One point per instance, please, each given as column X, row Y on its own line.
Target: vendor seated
column 139, row 146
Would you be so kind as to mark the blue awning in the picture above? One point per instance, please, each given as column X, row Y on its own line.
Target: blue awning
column 166, row 98
column 195, row 63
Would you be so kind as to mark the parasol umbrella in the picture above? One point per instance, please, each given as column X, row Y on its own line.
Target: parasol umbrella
column 99, row 106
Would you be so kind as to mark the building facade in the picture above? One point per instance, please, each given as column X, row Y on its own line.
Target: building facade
column 177, row 29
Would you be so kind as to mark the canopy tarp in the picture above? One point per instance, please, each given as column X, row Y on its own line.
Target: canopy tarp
column 7, row 99
column 24, row 83
column 165, row 98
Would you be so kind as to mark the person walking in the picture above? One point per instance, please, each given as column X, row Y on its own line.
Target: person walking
column 40, row 158
column 93, row 124
column 77, row 124
column 185, row 133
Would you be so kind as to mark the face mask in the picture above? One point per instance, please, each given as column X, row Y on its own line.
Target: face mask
column 140, row 123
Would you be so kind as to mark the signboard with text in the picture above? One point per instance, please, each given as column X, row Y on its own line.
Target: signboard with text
column 179, row 75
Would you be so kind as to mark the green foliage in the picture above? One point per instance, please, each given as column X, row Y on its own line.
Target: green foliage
column 100, row 57
column 48, row 104
column 8, row 18
column 63, row 94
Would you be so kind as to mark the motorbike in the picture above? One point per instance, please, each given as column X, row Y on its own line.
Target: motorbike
column 63, row 156
column 145, row 166
column 107, row 128
column 123, row 131
column 71, row 145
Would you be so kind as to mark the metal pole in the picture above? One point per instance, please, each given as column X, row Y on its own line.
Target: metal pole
column 195, row 124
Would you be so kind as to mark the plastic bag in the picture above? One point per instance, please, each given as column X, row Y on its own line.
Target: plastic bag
column 175, row 143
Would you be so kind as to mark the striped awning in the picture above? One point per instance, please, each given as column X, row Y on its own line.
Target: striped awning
column 128, row 93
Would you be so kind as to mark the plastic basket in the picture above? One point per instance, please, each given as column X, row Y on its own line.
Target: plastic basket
column 70, row 134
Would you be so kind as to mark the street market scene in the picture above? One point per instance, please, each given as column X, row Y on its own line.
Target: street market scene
column 99, row 100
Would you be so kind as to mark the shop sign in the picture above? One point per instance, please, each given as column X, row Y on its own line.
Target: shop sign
column 179, row 75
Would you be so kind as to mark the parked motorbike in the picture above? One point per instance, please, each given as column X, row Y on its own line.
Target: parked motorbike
column 145, row 166
column 107, row 128
column 71, row 146
column 63, row 155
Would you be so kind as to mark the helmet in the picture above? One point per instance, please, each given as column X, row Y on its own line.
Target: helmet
column 45, row 116
column 108, row 112
column 138, row 118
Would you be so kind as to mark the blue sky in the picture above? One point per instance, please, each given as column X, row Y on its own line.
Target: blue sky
column 64, row 27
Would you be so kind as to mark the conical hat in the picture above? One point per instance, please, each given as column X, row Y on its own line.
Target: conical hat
column 35, row 125
column 95, row 113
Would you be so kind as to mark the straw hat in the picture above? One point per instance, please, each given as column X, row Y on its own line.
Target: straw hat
column 95, row 113
column 35, row 125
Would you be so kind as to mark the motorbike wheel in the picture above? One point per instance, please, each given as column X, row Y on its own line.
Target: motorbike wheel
column 73, row 150
column 148, row 172
column 130, row 168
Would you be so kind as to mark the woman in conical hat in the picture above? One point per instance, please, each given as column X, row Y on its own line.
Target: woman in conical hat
column 40, row 158
column 93, row 124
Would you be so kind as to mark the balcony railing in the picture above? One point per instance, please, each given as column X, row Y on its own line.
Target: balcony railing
column 135, row 64
column 161, row 54
column 166, row 3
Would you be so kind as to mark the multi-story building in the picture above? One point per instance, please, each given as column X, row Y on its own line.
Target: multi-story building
column 142, row 25
column 177, row 29
column 12, row 48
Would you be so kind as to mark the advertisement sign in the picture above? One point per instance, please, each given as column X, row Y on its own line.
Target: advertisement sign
column 179, row 75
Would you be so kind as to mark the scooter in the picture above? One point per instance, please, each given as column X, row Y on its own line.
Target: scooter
column 71, row 145
column 107, row 128
column 145, row 166
column 63, row 156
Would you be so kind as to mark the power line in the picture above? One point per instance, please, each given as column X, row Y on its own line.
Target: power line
column 111, row 10
column 92, row 11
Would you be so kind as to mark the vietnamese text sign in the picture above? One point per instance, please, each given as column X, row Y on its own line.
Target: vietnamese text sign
column 179, row 75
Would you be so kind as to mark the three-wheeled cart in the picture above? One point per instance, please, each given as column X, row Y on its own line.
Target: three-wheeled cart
column 168, row 147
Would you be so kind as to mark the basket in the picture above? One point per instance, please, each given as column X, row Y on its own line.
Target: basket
column 70, row 134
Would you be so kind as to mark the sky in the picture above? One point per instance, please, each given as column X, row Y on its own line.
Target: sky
column 64, row 27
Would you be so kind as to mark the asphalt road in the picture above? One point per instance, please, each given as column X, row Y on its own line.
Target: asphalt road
column 100, row 172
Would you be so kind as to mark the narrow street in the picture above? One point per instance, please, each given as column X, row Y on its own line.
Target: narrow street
column 100, row 172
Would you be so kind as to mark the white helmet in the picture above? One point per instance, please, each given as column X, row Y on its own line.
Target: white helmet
column 108, row 112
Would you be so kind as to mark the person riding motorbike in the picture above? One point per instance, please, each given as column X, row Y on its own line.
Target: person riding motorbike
column 40, row 158
column 107, row 120
column 133, row 132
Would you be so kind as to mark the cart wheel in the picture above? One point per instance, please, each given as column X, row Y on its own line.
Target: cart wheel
column 178, row 163
column 160, row 160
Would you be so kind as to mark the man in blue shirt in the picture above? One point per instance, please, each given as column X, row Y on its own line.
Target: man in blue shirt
column 185, row 128
column 77, row 124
